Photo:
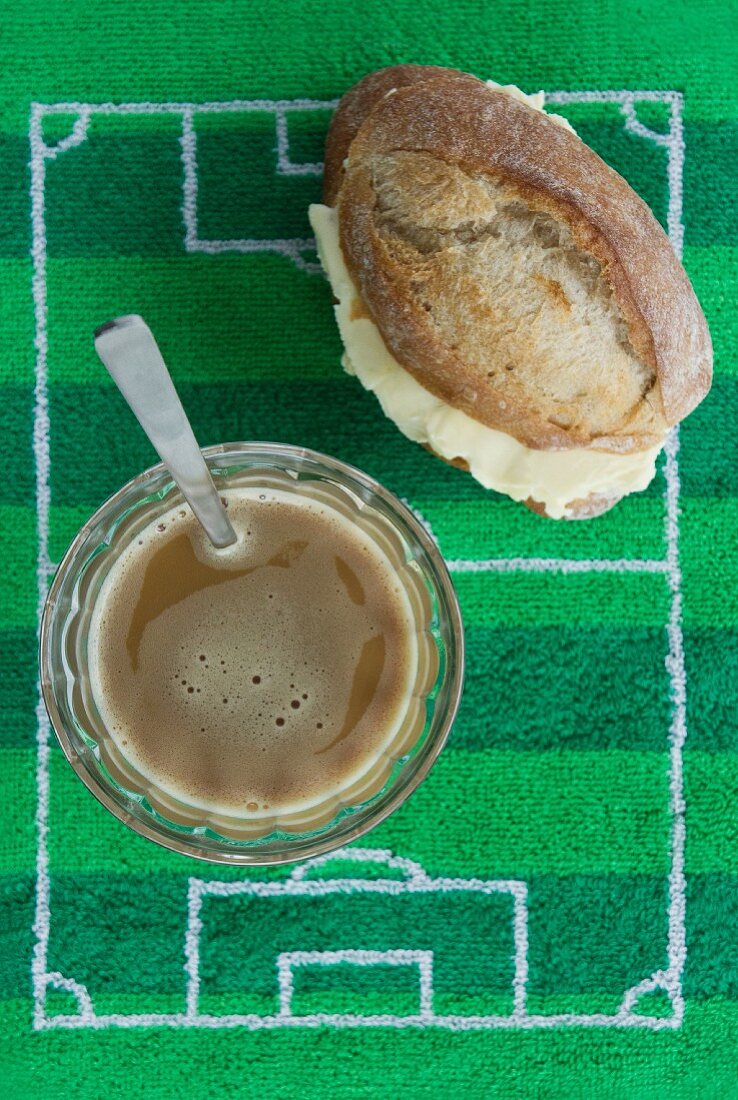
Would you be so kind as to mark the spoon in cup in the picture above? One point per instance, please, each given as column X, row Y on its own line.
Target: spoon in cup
column 131, row 355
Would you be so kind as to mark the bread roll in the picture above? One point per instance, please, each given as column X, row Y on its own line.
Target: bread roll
column 514, row 276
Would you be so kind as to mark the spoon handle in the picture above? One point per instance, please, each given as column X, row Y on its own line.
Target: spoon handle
column 130, row 353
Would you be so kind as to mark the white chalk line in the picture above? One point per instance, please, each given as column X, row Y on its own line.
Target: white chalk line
column 291, row 248
column 669, row 980
column 542, row 565
column 41, row 457
column 557, row 565
column 613, row 96
column 178, row 107
column 40, row 153
column 252, row 1022
column 287, row 961
column 675, row 664
column 415, row 880
column 285, row 167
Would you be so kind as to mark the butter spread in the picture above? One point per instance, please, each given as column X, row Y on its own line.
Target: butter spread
column 536, row 101
column 497, row 460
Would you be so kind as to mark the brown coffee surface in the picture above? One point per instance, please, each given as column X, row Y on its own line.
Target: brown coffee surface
column 266, row 677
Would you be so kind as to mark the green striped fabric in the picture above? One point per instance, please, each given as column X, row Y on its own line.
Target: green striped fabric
column 554, row 912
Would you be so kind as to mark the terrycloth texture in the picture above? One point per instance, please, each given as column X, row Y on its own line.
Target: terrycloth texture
column 559, row 785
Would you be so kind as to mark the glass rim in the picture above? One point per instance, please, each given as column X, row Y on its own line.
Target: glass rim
column 184, row 844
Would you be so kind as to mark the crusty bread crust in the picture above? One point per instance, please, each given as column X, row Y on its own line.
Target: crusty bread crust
column 464, row 130
column 592, row 506
column 357, row 104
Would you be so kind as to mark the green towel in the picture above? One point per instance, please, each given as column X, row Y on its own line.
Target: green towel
column 554, row 912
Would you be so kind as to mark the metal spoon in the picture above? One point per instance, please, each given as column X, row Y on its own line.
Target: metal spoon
column 130, row 353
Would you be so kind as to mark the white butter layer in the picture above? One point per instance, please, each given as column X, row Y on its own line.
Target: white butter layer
column 537, row 101
column 497, row 460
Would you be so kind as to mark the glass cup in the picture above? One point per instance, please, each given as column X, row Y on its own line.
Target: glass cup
column 65, row 675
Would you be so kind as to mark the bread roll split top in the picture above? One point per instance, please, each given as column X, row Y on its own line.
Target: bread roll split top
column 511, row 271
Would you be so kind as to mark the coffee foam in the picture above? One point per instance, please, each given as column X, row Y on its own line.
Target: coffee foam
column 244, row 718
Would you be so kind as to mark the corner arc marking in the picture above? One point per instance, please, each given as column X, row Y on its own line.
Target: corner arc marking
column 78, row 991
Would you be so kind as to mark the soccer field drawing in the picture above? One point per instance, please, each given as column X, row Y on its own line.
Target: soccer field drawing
column 194, row 176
